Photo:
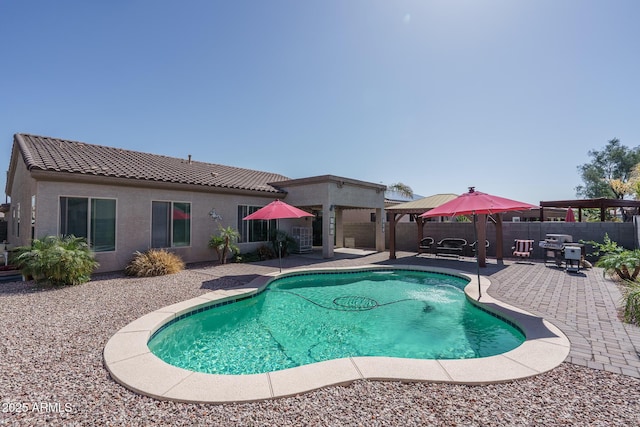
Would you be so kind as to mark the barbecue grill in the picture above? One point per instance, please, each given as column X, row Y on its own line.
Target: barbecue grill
column 553, row 247
column 560, row 249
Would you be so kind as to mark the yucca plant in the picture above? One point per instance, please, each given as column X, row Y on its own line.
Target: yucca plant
column 57, row 260
column 154, row 262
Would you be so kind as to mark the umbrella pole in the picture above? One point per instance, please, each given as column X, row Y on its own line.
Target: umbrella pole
column 279, row 245
column 475, row 235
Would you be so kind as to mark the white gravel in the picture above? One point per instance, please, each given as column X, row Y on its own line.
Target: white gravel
column 51, row 369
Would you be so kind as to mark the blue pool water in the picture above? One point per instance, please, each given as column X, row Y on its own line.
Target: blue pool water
column 309, row 318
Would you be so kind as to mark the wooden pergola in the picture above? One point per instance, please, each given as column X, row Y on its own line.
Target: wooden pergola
column 600, row 203
column 414, row 208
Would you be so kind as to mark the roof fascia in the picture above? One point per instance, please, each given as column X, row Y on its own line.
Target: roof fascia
column 128, row 182
column 327, row 179
column 13, row 163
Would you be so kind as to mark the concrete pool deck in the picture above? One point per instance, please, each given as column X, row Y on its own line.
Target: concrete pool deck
column 130, row 362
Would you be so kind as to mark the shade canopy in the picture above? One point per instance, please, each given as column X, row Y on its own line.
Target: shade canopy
column 277, row 210
column 476, row 202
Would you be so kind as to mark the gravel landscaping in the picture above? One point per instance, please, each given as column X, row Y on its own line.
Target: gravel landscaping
column 52, row 372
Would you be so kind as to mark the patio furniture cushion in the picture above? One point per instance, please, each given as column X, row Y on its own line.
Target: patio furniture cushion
column 451, row 246
column 522, row 248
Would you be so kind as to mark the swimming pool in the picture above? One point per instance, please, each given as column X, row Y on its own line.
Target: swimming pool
column 130, row 362
column 307, row 318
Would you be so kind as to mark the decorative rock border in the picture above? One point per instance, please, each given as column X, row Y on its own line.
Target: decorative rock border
column 131, row 363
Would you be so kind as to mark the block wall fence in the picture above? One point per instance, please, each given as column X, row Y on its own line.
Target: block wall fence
column 624, row 234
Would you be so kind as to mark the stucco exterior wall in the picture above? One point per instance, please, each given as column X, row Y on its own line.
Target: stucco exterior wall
column 23, row 187
column 335, row 195
column 133, row 217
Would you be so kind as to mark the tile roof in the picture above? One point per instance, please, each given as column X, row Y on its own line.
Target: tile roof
column 424, row 204
column 59, row 155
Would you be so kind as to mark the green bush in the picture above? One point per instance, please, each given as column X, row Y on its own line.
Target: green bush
column 262, row 253
column 58, row 261
column 154, row 262
column 607, row 246
column 265, row 253
column 225, row 243
column 625, row 264
column 280, row 240
column 632, row 304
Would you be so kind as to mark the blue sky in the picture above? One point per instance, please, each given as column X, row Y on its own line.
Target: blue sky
column 508, row 96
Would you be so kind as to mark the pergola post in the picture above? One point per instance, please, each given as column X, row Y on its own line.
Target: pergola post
column 420, row 224
column 499, row 241
column 392, row 236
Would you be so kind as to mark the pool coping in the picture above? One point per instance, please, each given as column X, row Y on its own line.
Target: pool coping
column 130, row 362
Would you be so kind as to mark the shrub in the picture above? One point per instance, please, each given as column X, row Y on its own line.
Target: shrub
column 154, row 262
column 280, row 240
column 632, row 304
column 265, row 252
column 607, row 246
column 625, row 264
column 58, row 261
column 224, row 243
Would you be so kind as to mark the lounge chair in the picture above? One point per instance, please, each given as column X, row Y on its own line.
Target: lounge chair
column 522, row 248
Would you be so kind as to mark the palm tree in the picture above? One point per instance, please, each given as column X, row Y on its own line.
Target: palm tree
column 402, row 189
column 224, row 243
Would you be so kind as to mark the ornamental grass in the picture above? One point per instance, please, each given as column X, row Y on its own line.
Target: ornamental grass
column 154, row 262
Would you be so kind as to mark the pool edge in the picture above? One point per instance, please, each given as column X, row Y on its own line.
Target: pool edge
column 129, row 361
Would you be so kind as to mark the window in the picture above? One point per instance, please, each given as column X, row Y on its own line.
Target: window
column 255, row 230
column 170, row 224
column 93, row 219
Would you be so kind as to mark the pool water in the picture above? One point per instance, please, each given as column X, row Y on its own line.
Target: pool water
column 309, row 318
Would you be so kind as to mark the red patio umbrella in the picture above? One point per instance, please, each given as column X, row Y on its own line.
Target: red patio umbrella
column 277, row 210
column 570, row 217
column 477, row 203
column 180, row 214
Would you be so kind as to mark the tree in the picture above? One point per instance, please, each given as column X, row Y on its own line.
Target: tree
column 402, row 189
column 609, row 173
column 224, row 243
column 634, row 182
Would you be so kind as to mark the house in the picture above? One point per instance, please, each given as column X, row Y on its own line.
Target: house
column 124, row 201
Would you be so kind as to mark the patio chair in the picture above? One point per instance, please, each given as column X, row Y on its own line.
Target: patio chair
column 472, row 247
column 426, row 245
column 451, row 246
column 522, row 248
